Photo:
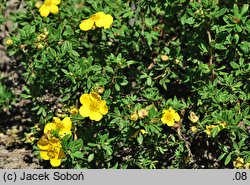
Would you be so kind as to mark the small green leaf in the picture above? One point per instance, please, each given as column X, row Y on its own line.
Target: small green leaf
column 66, row 47
column 234, row 65
column 117, row 87
column 91, row 157
column 75, row 145
column 190, row 20
column 244, row 9
column 221, row 156
column 77, row 154
column 140, row 139
column 52, row 52
column 74, row 53
column 219, row 13
column 228, row 158
column 65, row 98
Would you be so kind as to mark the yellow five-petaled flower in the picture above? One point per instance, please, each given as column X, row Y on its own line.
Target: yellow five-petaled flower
column 49, row 6
column 63, row 126
column 219, row 126
column 169, row 117
column 51, row 149
column 99, row 20
column 92, row 106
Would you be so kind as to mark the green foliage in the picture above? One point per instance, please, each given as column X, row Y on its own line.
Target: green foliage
column 6, row 98
column 188, row 55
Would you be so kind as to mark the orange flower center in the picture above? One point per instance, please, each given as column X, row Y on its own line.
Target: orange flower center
column 169, row 116
column 94, row 106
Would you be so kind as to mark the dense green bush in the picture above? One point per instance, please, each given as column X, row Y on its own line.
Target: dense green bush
column 186, row 59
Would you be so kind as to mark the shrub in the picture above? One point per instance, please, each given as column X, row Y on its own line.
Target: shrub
column 137, row 65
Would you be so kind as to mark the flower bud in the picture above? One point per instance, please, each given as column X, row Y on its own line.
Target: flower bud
column 193, row 117
column 134, row 117
column 143, row 131
column 100, row 90
column 29, row 138
column 239, row 162
column 38, row 4
column 39, row 46
column 223, row 124
column 142, row 113
column 164, row 58
column 9, row 42
column 193, row 129
column 73, row 110
column 41, row 36
column 247, row 166
column 37, row 128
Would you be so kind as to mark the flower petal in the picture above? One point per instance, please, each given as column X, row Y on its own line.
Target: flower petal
column 96, row 116
column 44, row 155
column 54, row 9
column 61, row 154
column 43, row 144
column 55, row 142
column 84, row 111
column 95, row 96
column 55, row 162
column 86, row 25
column 97, row 16
column 170, row 123
column 107, row 21
column 57, row 120
column 56, row 2
column 103, row 107
column 167, row 121
column 63, row 132
column 49, row 127
column 84, row 99
column 44, row 10
column 99, row 23
column 67, row 123
column 176, row 116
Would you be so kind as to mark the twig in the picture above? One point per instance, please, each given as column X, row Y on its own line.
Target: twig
column 211, row 56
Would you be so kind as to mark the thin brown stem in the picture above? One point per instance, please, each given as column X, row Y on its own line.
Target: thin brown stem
column 211, row 56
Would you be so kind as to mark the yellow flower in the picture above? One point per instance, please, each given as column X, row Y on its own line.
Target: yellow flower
column 164, row 57
column 73, row 110
column 239, row 162
column 41, row 37
column 143, row 131
column 49, row 6
column 134, row 117
column 169, row 117
column 223, row 124
column 29, row 138
column 142, row 113
column 64, row 126
column 247, row 166
column 209, row 128
column 92, row 106
column 100, row 90
column 193, row 117
column 193, row 129
column 9, row 42
column 39, row 46
column 99, row 20
column 219, row 126
column 51, row 149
